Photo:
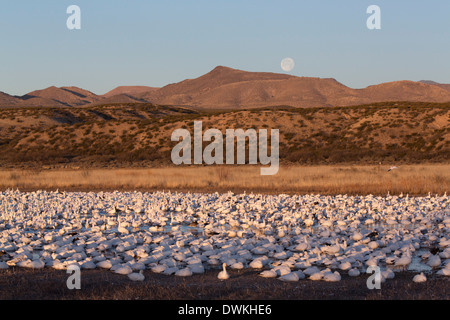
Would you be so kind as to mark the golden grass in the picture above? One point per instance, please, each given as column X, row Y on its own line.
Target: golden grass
column 338, row 179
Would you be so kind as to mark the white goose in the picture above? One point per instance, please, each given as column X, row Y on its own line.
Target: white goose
column 223, row 275
column 434, row 261
column 268, row 274
column 332, row 276
column 122, row 229
column 290, row 277
column 186, row 272
column 404, row 261
column 125, row 270
column 419, row 278
column 136, row 276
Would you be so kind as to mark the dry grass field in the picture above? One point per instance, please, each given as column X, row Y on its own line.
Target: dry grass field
column 324, row 179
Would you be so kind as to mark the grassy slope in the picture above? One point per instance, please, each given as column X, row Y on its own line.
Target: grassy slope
column 117, row 135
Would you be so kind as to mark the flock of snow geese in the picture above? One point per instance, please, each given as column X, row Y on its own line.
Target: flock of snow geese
column 289, row 237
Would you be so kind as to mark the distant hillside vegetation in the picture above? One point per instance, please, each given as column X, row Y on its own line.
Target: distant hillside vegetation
column 138, row 134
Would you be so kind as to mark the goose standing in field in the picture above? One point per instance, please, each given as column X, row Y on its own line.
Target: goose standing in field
column 122, row 229
column 223, row 275
column 332, row 249
column 302, row 245
column 404, row 261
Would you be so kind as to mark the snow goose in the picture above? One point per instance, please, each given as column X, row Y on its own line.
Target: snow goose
column 316, row 276
column 186, row 272
column 290, row 277
column 434, row 261
column 268, row 274
column 346, row 265
column 223, row 275
column 354, row 272
column 123, row 269
column 237, row 266
column 136, row 276
column 332, row 276
column 404, row 261
column 419, row 278
column 158, row 268
column 105, row 264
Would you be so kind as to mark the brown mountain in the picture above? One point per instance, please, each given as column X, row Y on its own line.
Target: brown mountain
column 129, row 90
column 404, row 91
column 297, row 92
column 118, row 98
column 208, row 90
column 230, row 88
column 440, row 85
column 7, row 100
column 64, row 96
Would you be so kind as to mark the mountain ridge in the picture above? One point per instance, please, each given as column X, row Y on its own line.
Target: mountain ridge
column 225, row 87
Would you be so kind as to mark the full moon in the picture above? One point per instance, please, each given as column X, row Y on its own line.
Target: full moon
column 287, row 64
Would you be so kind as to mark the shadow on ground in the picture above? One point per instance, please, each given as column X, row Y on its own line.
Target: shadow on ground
column 18, row 283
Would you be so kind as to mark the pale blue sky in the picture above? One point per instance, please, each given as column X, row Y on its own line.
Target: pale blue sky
column 154, row 43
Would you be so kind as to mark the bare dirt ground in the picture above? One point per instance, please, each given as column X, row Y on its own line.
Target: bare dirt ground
column 24, row 284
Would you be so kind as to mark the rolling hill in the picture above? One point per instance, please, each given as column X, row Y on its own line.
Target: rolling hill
column 139, row 134
column 7, row 100
column 53, row 96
